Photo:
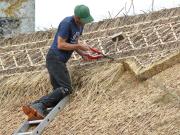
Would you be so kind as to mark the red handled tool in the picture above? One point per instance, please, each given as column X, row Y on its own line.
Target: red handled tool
column 92, row 57
column 100, row 55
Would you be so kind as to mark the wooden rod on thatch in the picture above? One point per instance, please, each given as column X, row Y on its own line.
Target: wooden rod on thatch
column 26, row 44
column 138, row 61
column 22, row 49
column 130, row 41
column 1, row 64
column 29, row 58
column 14, row 58
column 40, row 49
column 157, row 33
column 140, row 23
column 144, row 37
column 100, row 45
column 172, row 29
column 116, row 43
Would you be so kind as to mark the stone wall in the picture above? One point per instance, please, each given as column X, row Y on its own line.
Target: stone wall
column 17, row 16
column 9, row 26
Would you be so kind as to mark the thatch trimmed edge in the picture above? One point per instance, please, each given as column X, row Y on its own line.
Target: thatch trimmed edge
column 145, row 73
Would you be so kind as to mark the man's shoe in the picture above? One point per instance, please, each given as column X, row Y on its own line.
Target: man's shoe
column 35, row 111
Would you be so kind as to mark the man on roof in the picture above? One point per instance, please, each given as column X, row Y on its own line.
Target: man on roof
column 65, row 42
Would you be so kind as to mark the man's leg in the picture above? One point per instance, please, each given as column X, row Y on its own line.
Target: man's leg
column 61, row 78
column 54, row 83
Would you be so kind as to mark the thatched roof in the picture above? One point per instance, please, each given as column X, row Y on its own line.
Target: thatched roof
column 109, row 97
column 145, row 36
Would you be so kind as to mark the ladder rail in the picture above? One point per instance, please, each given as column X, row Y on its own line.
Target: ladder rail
column 42, row 123
column 24, row 126
column 50, row 116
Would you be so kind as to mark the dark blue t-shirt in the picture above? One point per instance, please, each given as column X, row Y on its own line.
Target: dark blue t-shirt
column 71, row 31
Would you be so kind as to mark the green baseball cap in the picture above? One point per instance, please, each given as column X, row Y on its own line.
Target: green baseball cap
column 83, row 12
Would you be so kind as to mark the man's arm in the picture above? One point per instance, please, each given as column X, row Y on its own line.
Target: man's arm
column 80, row 52
column 63, row 45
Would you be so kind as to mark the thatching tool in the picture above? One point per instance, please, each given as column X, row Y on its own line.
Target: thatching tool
column 115, row 38
column 101, row 53
column 98, row 55
column 118, row 36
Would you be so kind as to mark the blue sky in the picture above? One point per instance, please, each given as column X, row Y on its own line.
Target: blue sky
column 50, row 12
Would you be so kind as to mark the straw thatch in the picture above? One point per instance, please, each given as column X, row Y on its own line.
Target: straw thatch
column 146, row 41
column 106, row 100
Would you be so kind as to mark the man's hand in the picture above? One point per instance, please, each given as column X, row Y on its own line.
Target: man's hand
column 83, row 47
column 88, row 55
column 82, row 53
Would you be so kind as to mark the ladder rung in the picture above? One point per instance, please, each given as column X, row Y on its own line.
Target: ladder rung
column 49, row 109
column 25, row 133
column 35, row 121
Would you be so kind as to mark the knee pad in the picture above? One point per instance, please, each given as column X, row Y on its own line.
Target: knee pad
column 64, row 91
